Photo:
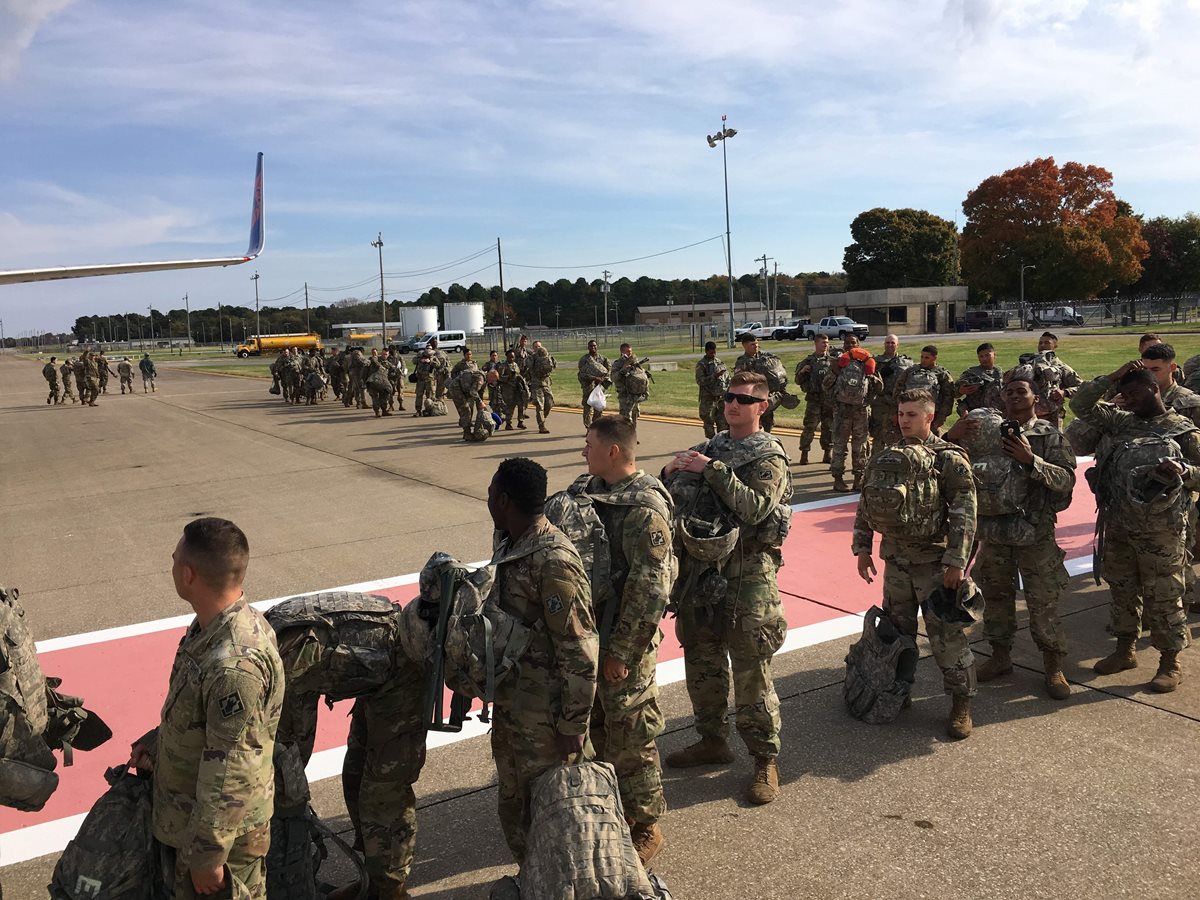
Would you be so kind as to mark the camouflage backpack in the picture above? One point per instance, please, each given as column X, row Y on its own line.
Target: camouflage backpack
column 820, row 367
column 901, row 497
column 1130, row 490
column 771, row 368
column 342, row 643
column 483, row 427
column 880, row 670
column 578, row 841
column 541, row 365
column 852, row 383
column 922, row 379
column 1084, row 438
column 637, row 380
column 573, row 512
column 1047, row 370
column 434, row 407
column 27, row 766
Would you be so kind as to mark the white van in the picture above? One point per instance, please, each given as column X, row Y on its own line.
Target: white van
column 448, row 342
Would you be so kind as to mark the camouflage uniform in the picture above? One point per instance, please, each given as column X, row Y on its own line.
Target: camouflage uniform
column 514, row 391
column 1137, row 564
column 748, row 624
column 851, row 430
column 337, row 374
column 1037, row 562
column 125, row 371
column 469, row 402
column 149, row 373
column 103, row 370
column 912, row 569
column 1051, row 372
column 50, row 373
column 441, row 372
column 713, row 380
column 91, row 375
column 593, row 371
column 80, row 373
column 213, row 776
column 398, row 372
column 426, row 369
column 68, row 375
column 539, row 388
column 629, row 403
column 356, row 378
column 554, row 687
column 938, row 382
column 883, row 428
column 626, row 718
column 493, row 390
column 770, row 367
column 988, row 395
column 378, row 383
column 818, row 403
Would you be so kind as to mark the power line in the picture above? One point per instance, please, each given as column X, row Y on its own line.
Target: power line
column 617, row 262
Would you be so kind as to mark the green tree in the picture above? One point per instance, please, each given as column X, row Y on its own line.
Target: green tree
column 1173, row 263
column 900, row 248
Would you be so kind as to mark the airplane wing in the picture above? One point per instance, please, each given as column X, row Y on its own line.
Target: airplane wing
column 257, row 239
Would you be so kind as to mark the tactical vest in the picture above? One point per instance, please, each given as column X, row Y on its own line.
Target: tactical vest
column 901, row 497
column 1047, row 370
column 769, row 366
column 574, row 513
column 920, row 378
column 50, row 373
column 889, row 370
column 852, row 383
column 820, row 367
column 880, row 670
column 712, row 377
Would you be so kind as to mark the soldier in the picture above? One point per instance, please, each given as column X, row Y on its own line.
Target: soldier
column 1056, row 380
column 712, row 378
column 521, row 352
column 291, row 374
column 979, row 387
column 593, row 372
column 91, row 377
column 632, row 383
column 728, row 611
column 466, row 386
column 888, row 366
column 378, row 383
column 104, row 371
column 211, row 753
column 50, row 373
column 636, row 513
column 125, row 370
column 927, row 519
column 68, row 376
column 149, row 373
column 514, row 390
column 929, row 376
column 276, row 370
column 1023, row 481
column 77, row 370
column 851, row 384
column 818, row 405
column 337, row 374
column 398, row 372
column 441, row 369
column 357, row 369
column 425, row 369
column 493, row 383
column 768, row 365
column 1144, row 482
column 539, row 371
column 541, row 714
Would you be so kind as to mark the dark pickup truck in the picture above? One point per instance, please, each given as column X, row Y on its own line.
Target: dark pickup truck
column 985, row 320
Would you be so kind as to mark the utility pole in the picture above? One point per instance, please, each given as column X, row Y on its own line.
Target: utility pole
column 503, row 302
column 378, row 245
column 775, row 297
column 766, row 285
column 257, row 317
column 188, row 310
column 221, row 328
column 557, row 311
column 604, row 291
column 151, row 308
column 307, row 323
column 3, row 343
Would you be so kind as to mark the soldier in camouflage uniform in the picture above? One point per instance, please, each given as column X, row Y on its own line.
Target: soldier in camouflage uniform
column 493, row 384
column 125, row 370
column 149, row 373
column 929, row 376
column 745, row 471
column 441, row 370
column 768, row 365
column 1056, row 381
column 91, row 378
column 213, row 773
column 979, row 387
column 818, row 405
column 67, row 371
column 541, row 714
column 378, row 382
column 513, row 389
column 104, row 370
column 337, row 374
column 594, row 371
column 521, row 352
column 626, row 719
column 712, row 378
column 1038, row 476
column 398, row 372
column 914, row 567
column 425, row 368
column 628, row 401
column 539, row 367
column 851, row 384
column 50, row 373
column 466, row 392
column 888, row 366
column 1139, row 563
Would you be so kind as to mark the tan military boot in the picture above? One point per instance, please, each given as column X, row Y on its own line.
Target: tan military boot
column 647, row 841
column 804, row 457
column 959, row 726
column 999, row 663
column 1169, row 673
column 839, row 485
column 764, row 787
column 1120, row 659
column 1056, row 681
column 542, row 429
column 706, row 751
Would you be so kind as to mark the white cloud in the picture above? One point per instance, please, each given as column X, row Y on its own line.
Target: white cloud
column 19, row 24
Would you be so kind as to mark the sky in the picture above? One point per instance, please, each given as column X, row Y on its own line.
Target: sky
column 572, row 131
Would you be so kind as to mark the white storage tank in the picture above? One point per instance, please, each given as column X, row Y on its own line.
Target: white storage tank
column 466, row 317
column 416, row 320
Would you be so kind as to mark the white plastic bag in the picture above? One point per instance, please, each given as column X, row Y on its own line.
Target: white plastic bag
column 597, row 399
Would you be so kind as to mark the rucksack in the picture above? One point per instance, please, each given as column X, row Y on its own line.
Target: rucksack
column 349, row 639
column 637, row 381
column 901, row 498
column 1132, row 493
column 541, row 365
column 483, row 427
column 114, row 855
column 881, row 667
column 1000, row 484
column 920, row 378
column 573, row 512
column 470, row 381
column 27, row 766
column 434, row 407
column 578, row 844
column 852, row 383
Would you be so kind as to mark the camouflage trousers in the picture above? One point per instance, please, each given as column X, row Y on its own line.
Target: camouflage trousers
column 440, row 385
column 1147, row 569
column 742, row 636
column 818, row 413
column 468, row 409
column 630, row 407
column 543, row 399
column 68, row 392
column 523, row 732
column 625, row 721
column 1043, row 579
column 379, row 398
column 126, row 382
column 589, row 413
column 104, row 382
column 425, row 391
column 385, row 751
column 148, row 381
column 91, row 390
column 511, row 396
column 849, row 429
column 712, row 414
column 245, row 869
column 885, row 432
column 53, row 397
column 905, row 586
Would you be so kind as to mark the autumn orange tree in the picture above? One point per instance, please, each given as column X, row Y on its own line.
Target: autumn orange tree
column 1064, row 220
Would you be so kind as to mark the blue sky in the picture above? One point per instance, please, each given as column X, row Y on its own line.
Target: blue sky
column 574, row 131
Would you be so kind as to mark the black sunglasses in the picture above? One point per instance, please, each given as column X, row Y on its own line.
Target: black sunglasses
column 744, row 399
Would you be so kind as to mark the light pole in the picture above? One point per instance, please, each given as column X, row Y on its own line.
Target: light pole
column 724, row 134
column 1023, row 268
column 151, row 308
column 257, row 317
column 378, row 244
column 188, row 308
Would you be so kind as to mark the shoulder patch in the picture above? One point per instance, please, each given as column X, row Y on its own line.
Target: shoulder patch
column 657, row 539
column 231, row 704
column 554, row 604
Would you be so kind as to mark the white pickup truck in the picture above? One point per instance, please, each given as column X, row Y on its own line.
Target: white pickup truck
column 763, row 332
column 836, row 327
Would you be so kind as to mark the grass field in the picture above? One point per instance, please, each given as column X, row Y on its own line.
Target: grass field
column 674, row 393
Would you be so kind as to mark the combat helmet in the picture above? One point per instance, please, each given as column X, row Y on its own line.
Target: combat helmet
column 707, row 540
column 964, row 605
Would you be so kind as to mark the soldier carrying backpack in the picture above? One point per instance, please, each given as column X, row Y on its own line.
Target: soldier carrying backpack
column 853, row 384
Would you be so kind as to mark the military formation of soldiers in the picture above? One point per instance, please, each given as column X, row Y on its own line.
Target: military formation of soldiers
column 85, row 378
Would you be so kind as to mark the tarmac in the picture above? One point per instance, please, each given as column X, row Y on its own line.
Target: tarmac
column 1087, row 798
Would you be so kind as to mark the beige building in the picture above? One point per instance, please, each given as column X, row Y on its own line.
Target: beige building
column 911, row 310
column 700, row 314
